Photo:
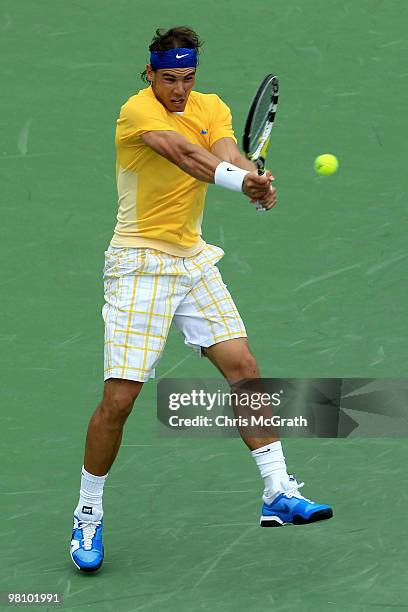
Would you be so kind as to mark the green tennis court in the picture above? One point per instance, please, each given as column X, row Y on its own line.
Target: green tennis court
column 319, row 282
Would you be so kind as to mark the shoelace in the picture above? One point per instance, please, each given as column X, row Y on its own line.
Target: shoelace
column 294, row 492
column 88, row 532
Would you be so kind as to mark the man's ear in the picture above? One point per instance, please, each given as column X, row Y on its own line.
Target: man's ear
column 149, row 73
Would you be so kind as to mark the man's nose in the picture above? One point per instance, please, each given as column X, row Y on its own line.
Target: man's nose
column 179, row 88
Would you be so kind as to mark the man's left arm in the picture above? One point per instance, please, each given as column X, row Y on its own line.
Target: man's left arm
column 227, row 149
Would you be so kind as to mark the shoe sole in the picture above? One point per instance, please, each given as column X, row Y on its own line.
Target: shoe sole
column 275, row 521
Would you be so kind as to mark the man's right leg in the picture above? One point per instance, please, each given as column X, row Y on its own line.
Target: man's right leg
column 102, row 445
column 142, row 290
column 106, row 425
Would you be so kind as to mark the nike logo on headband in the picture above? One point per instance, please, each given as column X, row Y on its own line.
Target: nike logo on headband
column 180, row 56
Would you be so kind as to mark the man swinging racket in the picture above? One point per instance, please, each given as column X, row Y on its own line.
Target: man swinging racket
column 171, row 142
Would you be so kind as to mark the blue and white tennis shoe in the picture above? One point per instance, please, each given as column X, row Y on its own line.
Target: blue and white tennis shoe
column 289, row 507
column 86, row 544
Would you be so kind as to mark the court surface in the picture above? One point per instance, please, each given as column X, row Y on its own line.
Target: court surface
column 319, row 281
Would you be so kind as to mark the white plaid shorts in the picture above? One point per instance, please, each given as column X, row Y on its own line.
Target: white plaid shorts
column 145, row 290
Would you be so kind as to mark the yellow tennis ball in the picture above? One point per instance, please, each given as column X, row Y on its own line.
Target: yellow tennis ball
column 326, row 164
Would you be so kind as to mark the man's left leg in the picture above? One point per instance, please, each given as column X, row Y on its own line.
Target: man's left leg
column 282, row 502
column 235, row 362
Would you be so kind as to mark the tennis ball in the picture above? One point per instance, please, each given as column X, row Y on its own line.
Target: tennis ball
column 326, row 164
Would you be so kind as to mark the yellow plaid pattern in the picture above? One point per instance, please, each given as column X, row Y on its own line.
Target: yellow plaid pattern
column 145, row 290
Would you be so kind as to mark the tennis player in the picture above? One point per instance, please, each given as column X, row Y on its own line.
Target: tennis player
column 171, row 142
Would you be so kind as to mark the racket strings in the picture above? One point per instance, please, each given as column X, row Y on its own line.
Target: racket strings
column 260, row 118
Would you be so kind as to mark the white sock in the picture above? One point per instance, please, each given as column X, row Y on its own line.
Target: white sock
column 272, row 465
column 90, row 497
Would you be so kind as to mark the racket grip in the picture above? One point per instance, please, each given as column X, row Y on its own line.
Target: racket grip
column 258, row 205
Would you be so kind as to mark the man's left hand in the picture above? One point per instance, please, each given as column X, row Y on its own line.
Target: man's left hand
column 269, row 200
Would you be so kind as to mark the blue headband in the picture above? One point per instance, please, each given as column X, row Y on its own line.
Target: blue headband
column 173, row 58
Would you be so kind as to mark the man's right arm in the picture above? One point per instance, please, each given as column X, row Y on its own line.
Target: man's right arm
column 194, row 160
column 198, row 162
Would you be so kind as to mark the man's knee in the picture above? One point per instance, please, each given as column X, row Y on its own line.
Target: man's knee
column 118, row 398
column 243, row 366
column 249, row 366
column 233, row 358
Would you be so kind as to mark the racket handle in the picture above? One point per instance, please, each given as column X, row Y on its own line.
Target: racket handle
column 258, row 205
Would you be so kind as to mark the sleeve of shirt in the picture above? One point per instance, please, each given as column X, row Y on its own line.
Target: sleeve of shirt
column 221, row 126
column 138, row 118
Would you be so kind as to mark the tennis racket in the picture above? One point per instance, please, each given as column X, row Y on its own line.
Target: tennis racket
column 259, row 123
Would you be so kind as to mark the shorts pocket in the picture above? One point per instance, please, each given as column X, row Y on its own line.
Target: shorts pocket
column 124, row 261
column 210, row 256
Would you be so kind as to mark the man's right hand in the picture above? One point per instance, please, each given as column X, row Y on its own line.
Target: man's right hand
column 256, row 186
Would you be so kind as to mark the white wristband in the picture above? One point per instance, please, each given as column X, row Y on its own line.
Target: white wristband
column 229, row 176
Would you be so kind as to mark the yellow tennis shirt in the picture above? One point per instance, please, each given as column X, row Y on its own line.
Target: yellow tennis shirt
column 160, row 206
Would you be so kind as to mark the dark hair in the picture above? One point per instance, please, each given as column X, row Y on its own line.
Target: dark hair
column 180, row 36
